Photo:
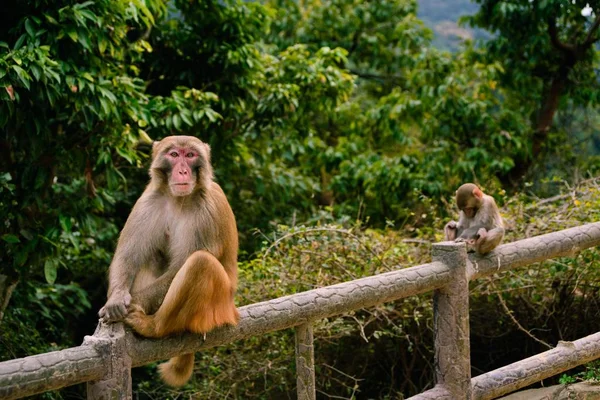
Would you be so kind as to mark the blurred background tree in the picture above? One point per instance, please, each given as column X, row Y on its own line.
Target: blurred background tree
column 341, row 113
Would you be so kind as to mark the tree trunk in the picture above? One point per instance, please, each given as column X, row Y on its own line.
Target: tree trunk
column 546, row 115
column 542, row 127
column 7, row 285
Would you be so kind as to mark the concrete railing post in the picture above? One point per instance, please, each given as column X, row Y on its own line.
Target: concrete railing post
column 305, row 363
column 451, row 323
column 111, row 342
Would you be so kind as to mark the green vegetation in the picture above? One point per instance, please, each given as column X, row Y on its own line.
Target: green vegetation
column 338, row 130
column 591, row 373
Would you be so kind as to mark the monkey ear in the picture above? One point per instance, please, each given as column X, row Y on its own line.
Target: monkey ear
column 155, row 148
column 477, row 193
column 206, row 151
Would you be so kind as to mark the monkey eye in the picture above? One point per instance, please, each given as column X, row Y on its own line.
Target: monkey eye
column 174, row 154
column 190, row 155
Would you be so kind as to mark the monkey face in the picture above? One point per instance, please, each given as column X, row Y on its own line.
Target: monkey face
column 468, row 199
column 183, row 162
column 470, row 211
column 181, row 165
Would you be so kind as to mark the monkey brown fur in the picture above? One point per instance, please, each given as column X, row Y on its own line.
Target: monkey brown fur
column 175, row 266
column 480, row 224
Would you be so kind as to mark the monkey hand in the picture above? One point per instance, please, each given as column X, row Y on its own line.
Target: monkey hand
column 478, row 241
column 450, row 230
column 482, row 233
column 451, row 225
column 116, row 307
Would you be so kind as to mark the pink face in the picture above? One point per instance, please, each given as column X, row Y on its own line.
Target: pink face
column 470, row 211
column 184, row 161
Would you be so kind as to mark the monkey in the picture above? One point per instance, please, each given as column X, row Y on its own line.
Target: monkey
column 175, row 265
column 480, row 224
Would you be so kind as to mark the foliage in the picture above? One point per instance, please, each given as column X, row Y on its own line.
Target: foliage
column 550, row 62
column 339, row 114
column 26, row 329
column 591, row 373
column 69, row 102
column 343, row 104
column 415, row 113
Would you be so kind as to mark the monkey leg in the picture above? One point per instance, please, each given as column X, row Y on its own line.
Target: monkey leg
column 149, row 292
column 198, row 300
column 489, row 240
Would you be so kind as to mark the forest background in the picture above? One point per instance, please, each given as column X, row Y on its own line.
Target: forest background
column 339, row 132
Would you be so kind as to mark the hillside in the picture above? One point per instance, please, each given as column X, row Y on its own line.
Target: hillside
column 442, row 17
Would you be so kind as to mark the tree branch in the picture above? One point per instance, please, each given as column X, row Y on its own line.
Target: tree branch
column 553, row 32
column 355, row 39
column 366, row 75
column 589, row 40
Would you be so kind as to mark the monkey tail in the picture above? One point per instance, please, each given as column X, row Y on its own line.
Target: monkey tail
column 178, row 370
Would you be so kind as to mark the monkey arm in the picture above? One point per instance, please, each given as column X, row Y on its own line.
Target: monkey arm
column 133, row 251
column 450, row 230
column 119, row 297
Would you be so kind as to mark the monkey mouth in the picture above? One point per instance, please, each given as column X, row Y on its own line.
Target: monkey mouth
column 181, row 189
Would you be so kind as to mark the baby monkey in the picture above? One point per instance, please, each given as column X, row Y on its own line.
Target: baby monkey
column 480, row 224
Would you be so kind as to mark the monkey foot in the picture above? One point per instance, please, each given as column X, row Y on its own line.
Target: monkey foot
column 140, row 322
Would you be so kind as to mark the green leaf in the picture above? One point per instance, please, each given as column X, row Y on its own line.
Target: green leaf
column 186, row 118
column 26, row 234
column 84, row 4
column 35, row 70
column 89, row 15
column 72, row 33
column 51, row 19
column 24, row 76
column 65, row 223
column 21, row 258
column 20, row 41
column 123, row 153
column 10, row 238
column 102, row 45
column 29, row 28
column 84, row 40
column 50, row 271
column 177, row 121
column 108, row 94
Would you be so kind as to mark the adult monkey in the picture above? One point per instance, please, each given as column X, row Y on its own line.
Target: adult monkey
column 175, row 266
column 480, row 224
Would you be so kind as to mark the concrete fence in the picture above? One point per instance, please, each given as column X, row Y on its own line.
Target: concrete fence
column 105, row 359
